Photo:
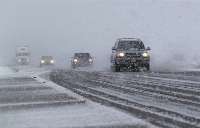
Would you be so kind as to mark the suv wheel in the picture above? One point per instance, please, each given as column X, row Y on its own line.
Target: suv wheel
column 148, row 67
column 137, row 69
column 73, row 66
column 117, row 68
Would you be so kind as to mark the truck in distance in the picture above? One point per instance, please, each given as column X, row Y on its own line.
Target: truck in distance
column 23, row 55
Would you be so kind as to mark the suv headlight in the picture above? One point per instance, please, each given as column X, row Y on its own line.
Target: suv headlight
column 42, row 61
column 75, row 60
column 90, row 60
column 121, row 54
column 52, row 61
column 145, row 54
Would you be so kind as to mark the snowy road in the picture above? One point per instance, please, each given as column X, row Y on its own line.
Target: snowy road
column 27, row 100
column 164, row 99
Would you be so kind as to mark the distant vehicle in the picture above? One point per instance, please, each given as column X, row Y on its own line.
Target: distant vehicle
column 81, row 60
column 47, row 61
column 22, row 55
column 130, row 53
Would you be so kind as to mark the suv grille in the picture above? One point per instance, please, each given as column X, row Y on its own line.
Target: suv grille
column 133, row 55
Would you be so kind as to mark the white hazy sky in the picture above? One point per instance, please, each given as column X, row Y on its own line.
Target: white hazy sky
column 61, row 27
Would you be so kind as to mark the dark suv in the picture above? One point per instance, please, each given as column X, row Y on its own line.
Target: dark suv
column 46, row 61
column 81, row 60
column 130, row 53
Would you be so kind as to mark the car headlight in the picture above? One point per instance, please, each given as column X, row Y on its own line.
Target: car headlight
column 42, row 61
column 90, row 60
column 121, row 54
column 52, row 61
column 145, row 54
column 75, row 60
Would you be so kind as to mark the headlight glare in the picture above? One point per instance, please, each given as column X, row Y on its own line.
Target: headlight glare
column 145, row 54
column 75, row 60
column 42, row 61
column 121, row 54
column 52, row 61
column 90, row 60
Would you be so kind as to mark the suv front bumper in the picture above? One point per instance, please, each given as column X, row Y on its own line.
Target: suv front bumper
column 132, row 61
column 85, row 64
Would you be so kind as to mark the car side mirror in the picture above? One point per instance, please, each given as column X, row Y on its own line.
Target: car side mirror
column 148, row 48
column 113, row 48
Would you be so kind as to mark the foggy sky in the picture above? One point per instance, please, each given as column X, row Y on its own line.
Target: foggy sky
column 62, row 27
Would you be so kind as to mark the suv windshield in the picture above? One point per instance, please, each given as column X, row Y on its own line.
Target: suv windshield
column 82, row 55
column 46, row 57
column 130, row 45
column 22, row 54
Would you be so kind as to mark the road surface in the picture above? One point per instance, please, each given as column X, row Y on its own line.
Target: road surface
column 167, row 100
column 27, row 100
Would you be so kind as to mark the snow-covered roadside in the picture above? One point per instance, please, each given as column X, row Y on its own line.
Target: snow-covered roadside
column 5, row 71
column 79, row 116
column 43, row 78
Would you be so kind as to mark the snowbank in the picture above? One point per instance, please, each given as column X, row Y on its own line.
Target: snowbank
column 4, row 71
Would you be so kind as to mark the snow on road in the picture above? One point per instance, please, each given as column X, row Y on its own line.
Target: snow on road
column 85, row 115
column 27, row 102
column 166, row 101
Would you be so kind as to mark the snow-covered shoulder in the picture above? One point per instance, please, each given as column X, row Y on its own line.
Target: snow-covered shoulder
column 6, row 71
